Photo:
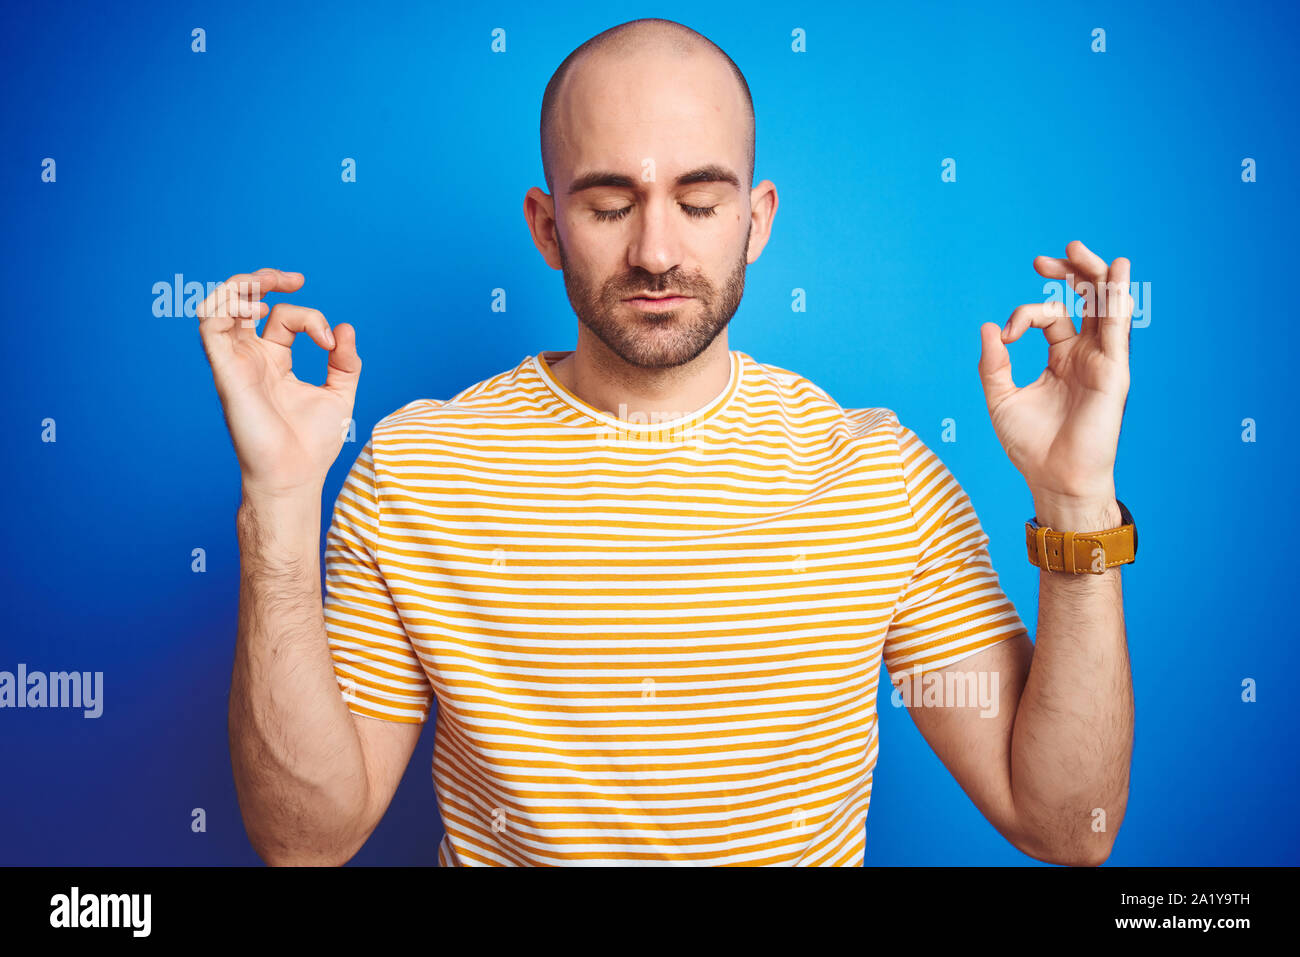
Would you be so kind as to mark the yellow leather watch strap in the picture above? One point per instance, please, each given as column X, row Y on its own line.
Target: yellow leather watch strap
column 1078, row 552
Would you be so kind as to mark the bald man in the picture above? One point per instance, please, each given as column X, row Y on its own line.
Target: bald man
column 651, row 581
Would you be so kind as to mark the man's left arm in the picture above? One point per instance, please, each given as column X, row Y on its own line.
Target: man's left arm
column 1050, row 769
column 1049, row 766
column 1073, row 735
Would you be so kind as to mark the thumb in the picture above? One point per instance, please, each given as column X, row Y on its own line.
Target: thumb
column 995, row 365
column 344, row 364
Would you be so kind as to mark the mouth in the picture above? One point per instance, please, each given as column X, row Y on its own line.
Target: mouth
column 650, row 303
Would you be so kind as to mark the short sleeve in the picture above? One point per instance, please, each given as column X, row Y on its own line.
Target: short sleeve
column 953, row 605
column 377, row 667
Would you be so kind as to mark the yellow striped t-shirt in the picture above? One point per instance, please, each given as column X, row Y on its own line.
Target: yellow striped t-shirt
column 651, row 643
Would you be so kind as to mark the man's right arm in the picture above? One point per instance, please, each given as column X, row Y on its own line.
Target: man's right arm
column 313, row 780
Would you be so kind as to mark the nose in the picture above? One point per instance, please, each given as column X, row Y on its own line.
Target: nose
column 656, row 246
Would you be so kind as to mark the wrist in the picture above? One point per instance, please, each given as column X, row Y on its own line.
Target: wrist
column 259, row 495
column 281, row 519
column 1077, row 515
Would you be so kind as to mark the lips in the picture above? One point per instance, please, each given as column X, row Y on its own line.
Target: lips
column 658, row 305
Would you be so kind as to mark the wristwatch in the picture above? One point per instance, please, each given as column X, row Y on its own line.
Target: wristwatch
column 1077, row 552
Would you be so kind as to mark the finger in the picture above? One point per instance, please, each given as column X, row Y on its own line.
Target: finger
column 1051, row 267
column 1068, row 269
column 244, row 295
column 216, row 328
column 344, row 368
column 238, row 295
column 1052, row 317
column 1086, row 261
column 1083, row 271
column 287, row 320
column 216, row 344
column 269, row 280
column 1117, row 311
column 1093, row 270
column 995, row 366
column 234, row 307
column 1054, row 268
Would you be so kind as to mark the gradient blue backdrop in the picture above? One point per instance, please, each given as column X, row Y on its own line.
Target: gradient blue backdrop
column 209, row 164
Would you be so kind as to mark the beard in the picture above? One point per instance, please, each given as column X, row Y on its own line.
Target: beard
column 661, row 340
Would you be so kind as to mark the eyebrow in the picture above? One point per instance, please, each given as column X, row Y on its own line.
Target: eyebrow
column 712, row 173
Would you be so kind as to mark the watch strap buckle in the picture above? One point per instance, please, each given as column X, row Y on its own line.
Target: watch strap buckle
column 1079, row 552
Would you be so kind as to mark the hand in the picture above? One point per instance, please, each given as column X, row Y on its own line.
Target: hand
column 1062, row 430
column 286, row 432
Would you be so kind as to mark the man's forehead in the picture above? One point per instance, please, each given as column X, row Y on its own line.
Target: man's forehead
column 664, row 135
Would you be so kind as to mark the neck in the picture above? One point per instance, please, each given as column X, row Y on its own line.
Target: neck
column 603, row 380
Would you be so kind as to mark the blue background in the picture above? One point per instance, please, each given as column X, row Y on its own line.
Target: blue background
column 209, row 164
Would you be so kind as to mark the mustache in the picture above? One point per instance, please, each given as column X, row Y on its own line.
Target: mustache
column 632, row 289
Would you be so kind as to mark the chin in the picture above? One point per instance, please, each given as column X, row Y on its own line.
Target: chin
column 668, row 356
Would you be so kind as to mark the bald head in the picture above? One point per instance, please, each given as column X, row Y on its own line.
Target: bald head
column 653, row 48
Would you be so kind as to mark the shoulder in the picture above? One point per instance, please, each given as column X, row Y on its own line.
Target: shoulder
column 797, row 392
column 773, row 380
column 508, row 393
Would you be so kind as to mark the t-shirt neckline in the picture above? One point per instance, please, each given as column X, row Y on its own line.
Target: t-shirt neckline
column 541, row 365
